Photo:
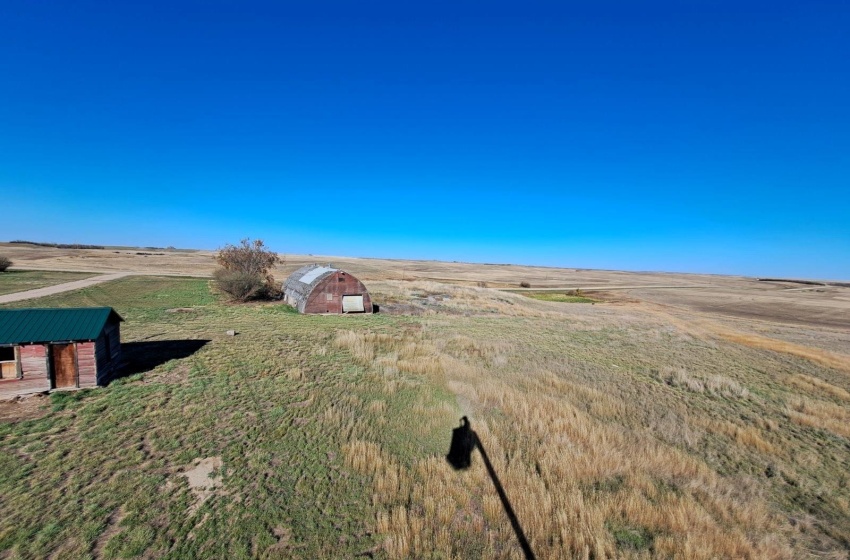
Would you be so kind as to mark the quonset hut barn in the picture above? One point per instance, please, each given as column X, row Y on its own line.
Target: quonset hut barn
column 43, row 349
column 318, row 288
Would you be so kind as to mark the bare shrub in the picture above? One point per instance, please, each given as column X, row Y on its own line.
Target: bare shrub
column 240, row 286
column 245, row 271
column 5, row 263
column 525, row 284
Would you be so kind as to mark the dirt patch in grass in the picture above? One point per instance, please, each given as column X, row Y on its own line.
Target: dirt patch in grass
column 113, row 523
column 283, row 536
column 204, row 477
column 401, row 309
column 24, row 408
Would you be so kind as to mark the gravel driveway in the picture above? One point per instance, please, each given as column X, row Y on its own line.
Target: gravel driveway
column 59, row 288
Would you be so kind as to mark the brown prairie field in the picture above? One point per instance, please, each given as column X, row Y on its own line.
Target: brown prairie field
column 672, row 416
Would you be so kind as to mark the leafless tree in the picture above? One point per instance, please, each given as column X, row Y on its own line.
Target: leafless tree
column 245, row 270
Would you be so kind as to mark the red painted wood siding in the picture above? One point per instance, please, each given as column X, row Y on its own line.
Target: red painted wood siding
column 86, row 364
column 33, row 373
column 34, row 361
column 94, row 363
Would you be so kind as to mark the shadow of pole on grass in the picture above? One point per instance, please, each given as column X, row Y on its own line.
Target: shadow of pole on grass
column 464, row 441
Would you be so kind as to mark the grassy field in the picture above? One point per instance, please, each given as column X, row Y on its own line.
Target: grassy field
column 13, row 281
column 617, row 432
column 560, row 298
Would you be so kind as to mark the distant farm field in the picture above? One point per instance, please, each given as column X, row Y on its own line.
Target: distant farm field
column 617, row 430
column 13, row 281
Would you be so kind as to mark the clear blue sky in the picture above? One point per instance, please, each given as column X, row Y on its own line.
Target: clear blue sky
column 698, row 136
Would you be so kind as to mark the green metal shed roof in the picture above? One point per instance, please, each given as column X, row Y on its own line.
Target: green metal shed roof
column 21, row 326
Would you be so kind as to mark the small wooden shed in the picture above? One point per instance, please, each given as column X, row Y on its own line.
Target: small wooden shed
column 316, row 288
column 43, row 349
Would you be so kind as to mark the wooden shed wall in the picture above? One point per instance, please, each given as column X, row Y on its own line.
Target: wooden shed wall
column 326, row 296
column 34, row 361
column 34, row 377
column 86, row 365
column 11, row 369
column 96, row 363
column 108, row 352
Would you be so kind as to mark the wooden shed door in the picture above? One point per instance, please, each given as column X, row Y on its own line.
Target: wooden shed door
column 64, row 366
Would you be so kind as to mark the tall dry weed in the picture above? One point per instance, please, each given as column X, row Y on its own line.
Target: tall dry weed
column 820, row 414
column 817, row 386
column 717, row 384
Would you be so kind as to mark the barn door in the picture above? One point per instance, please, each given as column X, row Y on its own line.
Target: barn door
column 64, row 362
column 352, row 304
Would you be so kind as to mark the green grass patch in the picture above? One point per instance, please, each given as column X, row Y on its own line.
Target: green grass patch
column 276, row 403
column 631, row 538
column 331, row 432
column 13, row 281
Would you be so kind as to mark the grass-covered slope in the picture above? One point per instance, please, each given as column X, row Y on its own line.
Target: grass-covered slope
column 616, row 431
column 99, row 473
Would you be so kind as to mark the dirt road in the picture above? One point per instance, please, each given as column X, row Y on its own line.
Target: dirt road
column 59, row 288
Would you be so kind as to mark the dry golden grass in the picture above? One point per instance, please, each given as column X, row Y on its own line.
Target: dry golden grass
column 585, row 479
column 607, row 447
column 719, row 384
column 747, row 436
column 817, row 386
column 617, row 431
column 820, row 414
column 817, row 355
column 695, row 292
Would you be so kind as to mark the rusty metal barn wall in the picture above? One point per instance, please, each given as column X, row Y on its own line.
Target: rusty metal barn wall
column 326, row 296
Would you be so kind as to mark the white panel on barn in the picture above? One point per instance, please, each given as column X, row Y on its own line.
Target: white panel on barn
column 315, row 273
column 352, row 304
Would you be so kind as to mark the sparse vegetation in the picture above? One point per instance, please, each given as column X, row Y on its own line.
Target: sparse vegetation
column 58, row 245
column 245, row 270
column 5, row 263
column 617, row 433
column 570, row 297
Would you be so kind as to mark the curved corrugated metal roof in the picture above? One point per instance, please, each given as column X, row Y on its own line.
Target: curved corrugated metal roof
column 308, row 275
column 315, row 273
column 21, row 326
column 300, row 283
